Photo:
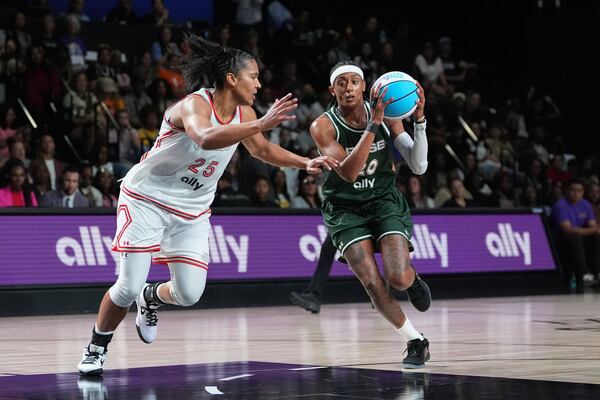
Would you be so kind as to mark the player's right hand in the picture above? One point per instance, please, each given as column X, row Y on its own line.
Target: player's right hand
column 278, row 112
column 377, row 104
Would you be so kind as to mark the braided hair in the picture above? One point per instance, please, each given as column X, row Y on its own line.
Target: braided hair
column 211, row 59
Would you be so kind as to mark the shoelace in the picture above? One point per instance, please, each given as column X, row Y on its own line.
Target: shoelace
column 151, row 316
column 91, row 357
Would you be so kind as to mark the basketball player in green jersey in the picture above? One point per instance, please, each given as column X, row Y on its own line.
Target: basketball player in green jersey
column 362, row 209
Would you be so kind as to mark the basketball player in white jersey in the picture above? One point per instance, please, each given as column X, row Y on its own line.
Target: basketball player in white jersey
column 163, row 212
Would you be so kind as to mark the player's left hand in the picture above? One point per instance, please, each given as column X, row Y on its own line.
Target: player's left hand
column 316, row 165
column 420, row 110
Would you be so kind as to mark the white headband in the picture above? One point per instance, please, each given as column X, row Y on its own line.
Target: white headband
column 344, row 69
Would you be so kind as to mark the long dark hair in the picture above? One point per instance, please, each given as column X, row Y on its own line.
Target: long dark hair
column 333, row 101
column 203, row 57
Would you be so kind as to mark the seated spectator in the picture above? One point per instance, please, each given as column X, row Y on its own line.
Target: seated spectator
column 149, row 131
column 578, row 236
column 17, row 193
column 143, row 71
column 223, row 35
column 128, row 138
column 109, row 94
column 475, row 110
column 308, row 194
column 45, row 158
column 455, row 69
column 80, row 107
column 227, row 196
column 500, row 148
column 20, row 33
column 87, row 189
column 42, row 84
column 529, row 198
column 17, row 154
column 320, row 106
column 77, row 9
column 122, row 13
column 279, row 182
column 254, row 48
column 416, row 196
column 68, row 195
column 170, row 72
column 12, row 63
column 48, row 38
column 557, row 170
column 119, row 63
column 107, row 185
column 158, row 15
column 458, row 200
column 8, row 128
column 503, row 196
column 163, row 45
column 430, row 69
column 40, row 178
column 103, row 67
column 161, row 94
column 480, row 192
column 103, row 162
column 593, row 196
column 260, row 193
column 248, row 14
column 136, row 101
column 74, row 42
column 538, row 178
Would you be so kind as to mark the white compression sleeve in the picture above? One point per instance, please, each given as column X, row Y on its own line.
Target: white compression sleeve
column 414, row 152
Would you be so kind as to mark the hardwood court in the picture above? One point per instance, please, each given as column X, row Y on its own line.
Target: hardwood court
column 544, row 338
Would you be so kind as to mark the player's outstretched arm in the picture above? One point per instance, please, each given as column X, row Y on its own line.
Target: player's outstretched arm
column 195, row 114
column 273, row 154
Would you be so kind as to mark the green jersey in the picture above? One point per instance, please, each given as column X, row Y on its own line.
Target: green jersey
column 378, row 174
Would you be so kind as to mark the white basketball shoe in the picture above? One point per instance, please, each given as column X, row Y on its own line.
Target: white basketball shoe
column 92, row 360
column 146, row 321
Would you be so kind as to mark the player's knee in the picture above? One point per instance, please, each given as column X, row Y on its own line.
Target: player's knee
column 187, row 294
column 398, row 276
column 373, row 285
column 124, row 295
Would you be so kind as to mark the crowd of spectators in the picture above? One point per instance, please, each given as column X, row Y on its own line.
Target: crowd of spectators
column 97, row 110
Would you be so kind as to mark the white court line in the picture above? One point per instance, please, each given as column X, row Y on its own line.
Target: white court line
column 305, row 368
column 230, row 378
column 212, row 390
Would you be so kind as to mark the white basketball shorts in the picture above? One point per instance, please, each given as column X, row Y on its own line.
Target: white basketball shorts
column 143, row 227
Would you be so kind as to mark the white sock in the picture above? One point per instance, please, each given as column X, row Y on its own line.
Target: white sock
column 408, row 331
column 99, row 332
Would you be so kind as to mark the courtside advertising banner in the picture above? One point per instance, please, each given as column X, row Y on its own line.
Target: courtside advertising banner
column 75, row 249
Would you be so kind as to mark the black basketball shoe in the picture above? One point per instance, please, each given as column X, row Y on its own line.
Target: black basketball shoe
column 306, row 300
column 419, row 294
column 418, row 353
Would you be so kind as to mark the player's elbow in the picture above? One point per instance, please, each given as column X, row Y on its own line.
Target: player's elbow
column 420, row 168
column 350, row 178
column 206, row 142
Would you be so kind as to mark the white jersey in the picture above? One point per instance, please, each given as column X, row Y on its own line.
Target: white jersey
column 176, row 174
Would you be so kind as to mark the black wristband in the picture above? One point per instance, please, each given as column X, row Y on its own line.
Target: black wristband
column 421, row 121
column 372, row 127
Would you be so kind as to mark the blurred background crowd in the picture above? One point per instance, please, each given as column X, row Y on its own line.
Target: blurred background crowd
column 81, row 99
column 92, row 101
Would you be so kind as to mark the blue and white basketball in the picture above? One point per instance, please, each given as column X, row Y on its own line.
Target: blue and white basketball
column 403, row 88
